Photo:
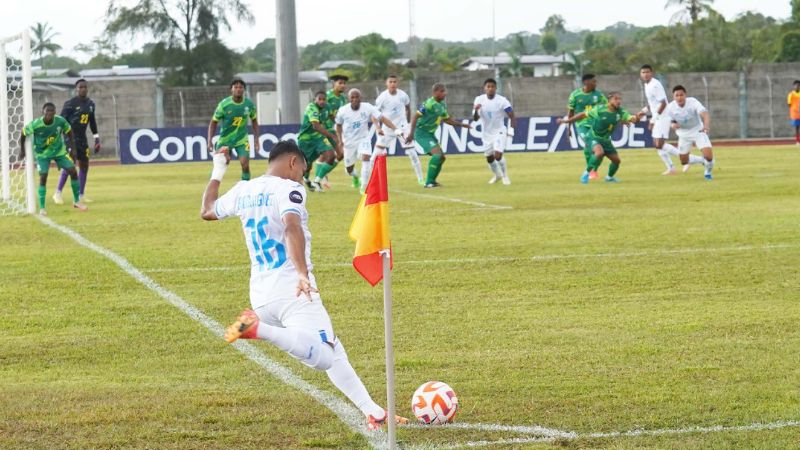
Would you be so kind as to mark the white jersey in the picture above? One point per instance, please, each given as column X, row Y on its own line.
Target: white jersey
column 687, row 116
column 355, row 123
column 261, row 204
column 655, row 94
column 393, row 106
column 492, row 113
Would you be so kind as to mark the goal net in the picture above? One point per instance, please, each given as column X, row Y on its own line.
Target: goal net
column 16, row 177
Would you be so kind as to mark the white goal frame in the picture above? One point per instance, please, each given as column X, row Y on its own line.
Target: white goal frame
column 27, row 112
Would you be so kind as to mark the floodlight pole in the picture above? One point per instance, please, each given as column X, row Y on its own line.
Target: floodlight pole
column 287, row 83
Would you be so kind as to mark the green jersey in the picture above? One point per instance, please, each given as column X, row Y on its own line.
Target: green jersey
column 313, row 114
column 334, row 103
column 234, row 116
column 603, row 122
column 47, row 141
column 580, row 101
column 431, row 114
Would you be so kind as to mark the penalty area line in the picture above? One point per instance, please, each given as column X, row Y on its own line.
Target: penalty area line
column 451, row 199
column 345, row 412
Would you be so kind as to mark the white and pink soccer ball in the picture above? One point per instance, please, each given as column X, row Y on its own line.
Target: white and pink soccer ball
column 434, row 403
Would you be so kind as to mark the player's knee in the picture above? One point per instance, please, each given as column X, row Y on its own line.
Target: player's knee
column 321, row 357
column 490, row 159
column 498, row 156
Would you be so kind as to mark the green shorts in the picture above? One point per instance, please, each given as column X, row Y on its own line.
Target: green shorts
column 312, row 148
column 608, row 147
column 426, row 140
column 238, row 151
column 62, row 162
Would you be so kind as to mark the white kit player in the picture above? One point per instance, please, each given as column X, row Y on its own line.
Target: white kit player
column 395, row 105
column 492, row 110
column 287, row 308
column 691, row 123
column 352, row 132
column 659, row 125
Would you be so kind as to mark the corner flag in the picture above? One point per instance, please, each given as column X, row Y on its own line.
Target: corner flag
column 370, row 227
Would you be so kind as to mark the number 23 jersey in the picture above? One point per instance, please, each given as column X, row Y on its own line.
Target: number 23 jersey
column 261, row 204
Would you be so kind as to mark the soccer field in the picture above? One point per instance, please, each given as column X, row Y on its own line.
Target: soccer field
column 660, row 312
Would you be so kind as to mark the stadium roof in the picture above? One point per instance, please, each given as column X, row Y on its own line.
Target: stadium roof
column 119, row 72
column 335, row 64
column 503, row 59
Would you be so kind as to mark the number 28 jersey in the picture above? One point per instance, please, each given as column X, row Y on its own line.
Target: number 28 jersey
column 261, row 204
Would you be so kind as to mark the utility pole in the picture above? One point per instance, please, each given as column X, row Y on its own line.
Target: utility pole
column 287, row 67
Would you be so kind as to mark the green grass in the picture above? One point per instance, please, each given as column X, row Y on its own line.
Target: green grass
column 661, row 302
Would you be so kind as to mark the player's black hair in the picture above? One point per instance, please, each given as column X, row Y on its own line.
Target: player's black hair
column 587, row 76
column 236, row 81
column 391, row 75
column 48, row 104
column 796, row 82
column 437, row 86
column 614, row 94
column 679, row 88
column 338, row 77
column 318, row 93
column 284, row 148
column 81, row 80
column 646, row 66
column 490, row 80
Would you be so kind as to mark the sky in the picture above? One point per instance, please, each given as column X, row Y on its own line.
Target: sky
column 461, row 20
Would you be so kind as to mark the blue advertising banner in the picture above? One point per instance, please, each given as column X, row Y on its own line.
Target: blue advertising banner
column 533, row 134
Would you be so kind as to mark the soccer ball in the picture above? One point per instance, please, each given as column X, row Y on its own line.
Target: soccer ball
column 434, row 403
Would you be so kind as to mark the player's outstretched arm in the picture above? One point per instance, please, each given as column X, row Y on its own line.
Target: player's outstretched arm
column 388, row 123
column 212, row 130
column 412, row 127
column 456, row 123
column 571, row 119
column 256, row 134
column 512, row 120
column 71, row 140
column 321, row 130
column 706, row 122
column 296, row 249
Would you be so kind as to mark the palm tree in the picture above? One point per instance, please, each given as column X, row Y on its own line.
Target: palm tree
column 43, row 35
column 689, row 9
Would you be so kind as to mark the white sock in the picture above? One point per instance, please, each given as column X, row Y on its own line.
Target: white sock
column 665, row 157
column 317, row 179
column 709, row 165
column 694, row 159
column 503, row 167
column 305, row 346
column 495, row 168
column 670, row 149
column 366, row 171
column 414, row 157
column 346, row 380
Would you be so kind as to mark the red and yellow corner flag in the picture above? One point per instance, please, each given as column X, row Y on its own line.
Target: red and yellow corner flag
column 370, row 227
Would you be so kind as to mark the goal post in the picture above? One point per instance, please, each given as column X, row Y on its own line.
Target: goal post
column 17, row 184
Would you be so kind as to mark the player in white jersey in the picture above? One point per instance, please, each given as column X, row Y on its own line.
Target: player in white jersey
column 395, row 105
column 691, row 123
column 352, row 132
column 287, row 308
column 659, row 125
column 492, row 110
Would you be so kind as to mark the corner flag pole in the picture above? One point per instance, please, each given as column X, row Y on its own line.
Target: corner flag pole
column 387, row 320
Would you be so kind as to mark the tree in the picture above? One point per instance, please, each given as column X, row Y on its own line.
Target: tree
column 554, row 24
column 43, row 35
column 182, row 25
column 690, row 10
column 790, row 47
column 260, row 58
column 549, row 43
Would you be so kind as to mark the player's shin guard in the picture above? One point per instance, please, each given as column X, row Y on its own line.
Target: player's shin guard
column 346, row 380
column 664, row 155
column 503, row 167
column 307, row 347
column 42, row 191
column 62, row 180
column 415, row 164
column 612, row 169
column 434, row 167
column 495, row 168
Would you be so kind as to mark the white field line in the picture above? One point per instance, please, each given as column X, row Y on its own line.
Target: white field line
column 758, row 426
column 348, row 414
column 492, row 259
column 451, row 199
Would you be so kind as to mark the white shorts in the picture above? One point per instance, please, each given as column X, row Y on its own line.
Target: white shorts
column 494, row 142
column 353, row 152
column 699, row 140
column 390, row 135
column 661, row 127
column 298, row 312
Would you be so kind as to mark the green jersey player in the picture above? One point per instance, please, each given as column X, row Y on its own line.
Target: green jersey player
column 315, row 141
column 335, row 99
column 423, row 130
column 233, row 112
column 583, row 100
column 602, row 121
column 49, row 146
